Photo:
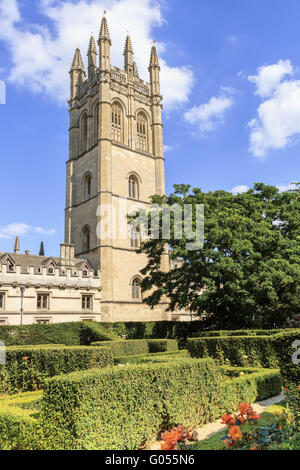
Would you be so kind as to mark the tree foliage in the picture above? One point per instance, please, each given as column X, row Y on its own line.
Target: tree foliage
column 248, row 271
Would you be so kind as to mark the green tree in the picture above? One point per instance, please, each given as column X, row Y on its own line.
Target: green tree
column 247, row 273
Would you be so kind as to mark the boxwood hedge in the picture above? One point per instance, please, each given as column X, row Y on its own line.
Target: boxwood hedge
column 26, row 368
column 138, row 346
column 236, row 350
column 287, row 346
column 119, row 408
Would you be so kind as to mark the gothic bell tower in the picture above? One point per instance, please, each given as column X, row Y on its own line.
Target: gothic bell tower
column 115, row 164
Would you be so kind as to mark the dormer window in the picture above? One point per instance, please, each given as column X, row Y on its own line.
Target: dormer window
column 85, row 273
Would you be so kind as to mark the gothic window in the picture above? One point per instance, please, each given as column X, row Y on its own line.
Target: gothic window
column 96, row 124
column 133, row 187
column 136, row 288
column 142, row 132
column 84, row 133
column 43, row 302
column 86, row 238
column 135, row 237
column 86, row 302
column 117, row 122
column 87, row 184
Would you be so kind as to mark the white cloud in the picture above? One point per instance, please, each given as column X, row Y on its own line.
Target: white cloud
column 208, row 115
column 269, row 77
column 41, row 59
column 286, row 187
column 242, row 188
column 278, row 120
column 19, row 229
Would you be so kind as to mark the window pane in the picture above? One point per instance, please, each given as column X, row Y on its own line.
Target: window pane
column 1, row 300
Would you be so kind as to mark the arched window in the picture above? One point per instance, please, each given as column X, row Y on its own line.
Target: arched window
column 96, row 124
column 83, row 133
column 142, row 132
column 87, row 184
column 133, row 187
column 135, row 237
column 136, row 288
column 117, row 122
column 86, row 238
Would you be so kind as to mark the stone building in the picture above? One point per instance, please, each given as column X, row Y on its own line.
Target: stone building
column 115, row 164
column 55, row 290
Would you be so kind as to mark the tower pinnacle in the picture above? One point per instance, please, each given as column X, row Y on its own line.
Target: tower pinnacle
column 154, row 62
column 104, row 31
column 17, row 246
column 77, row 73
column 128, row 55
column 92, row 58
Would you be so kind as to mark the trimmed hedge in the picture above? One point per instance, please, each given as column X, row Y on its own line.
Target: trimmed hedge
column 125, row 347
column 208, row 334
column 236, row 350
column 255, row 385
column 27, row 368
column 69, row 334
column 119, row 408
column 153, row 358
column 134, row 347
column 162, row 345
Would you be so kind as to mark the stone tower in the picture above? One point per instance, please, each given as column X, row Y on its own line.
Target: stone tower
column 115, row 164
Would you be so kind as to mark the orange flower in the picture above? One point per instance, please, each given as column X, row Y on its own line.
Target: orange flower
column 25, row 358
column 235, row 433
column 298, row 387
column 254, row 416
column 280, row 427
column 228, row 420
column 245, row 408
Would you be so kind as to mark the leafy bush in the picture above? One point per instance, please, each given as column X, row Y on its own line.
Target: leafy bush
column 237, row 350
column 27, row 368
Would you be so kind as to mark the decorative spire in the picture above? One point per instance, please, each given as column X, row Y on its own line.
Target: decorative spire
column 42, row 249
column 104, row 32
column 154, row 62
column 92, row 46
column 77, row 61
column 128, row 55
column 77, row 74
column 17, row 246
column 92, row 58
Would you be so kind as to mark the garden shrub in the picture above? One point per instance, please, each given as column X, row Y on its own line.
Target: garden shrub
column 154, row 357
column 69, row 334
column 119, row 408
column 162, row 345
column 258, row 385
column 125, row 347
column 27, row 368
column 237, row 350
column 207, row 334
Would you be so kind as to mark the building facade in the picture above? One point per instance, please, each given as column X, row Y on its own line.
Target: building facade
column 115, row 164
column 54, row 289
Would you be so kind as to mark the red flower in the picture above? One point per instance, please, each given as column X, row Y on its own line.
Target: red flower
column 25, row 358
column 228, row 420
column 235, row 433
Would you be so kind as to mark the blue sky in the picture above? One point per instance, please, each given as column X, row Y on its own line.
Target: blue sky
column 231, row 81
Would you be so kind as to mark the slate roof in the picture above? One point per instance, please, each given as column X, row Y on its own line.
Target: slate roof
column 26, row 261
